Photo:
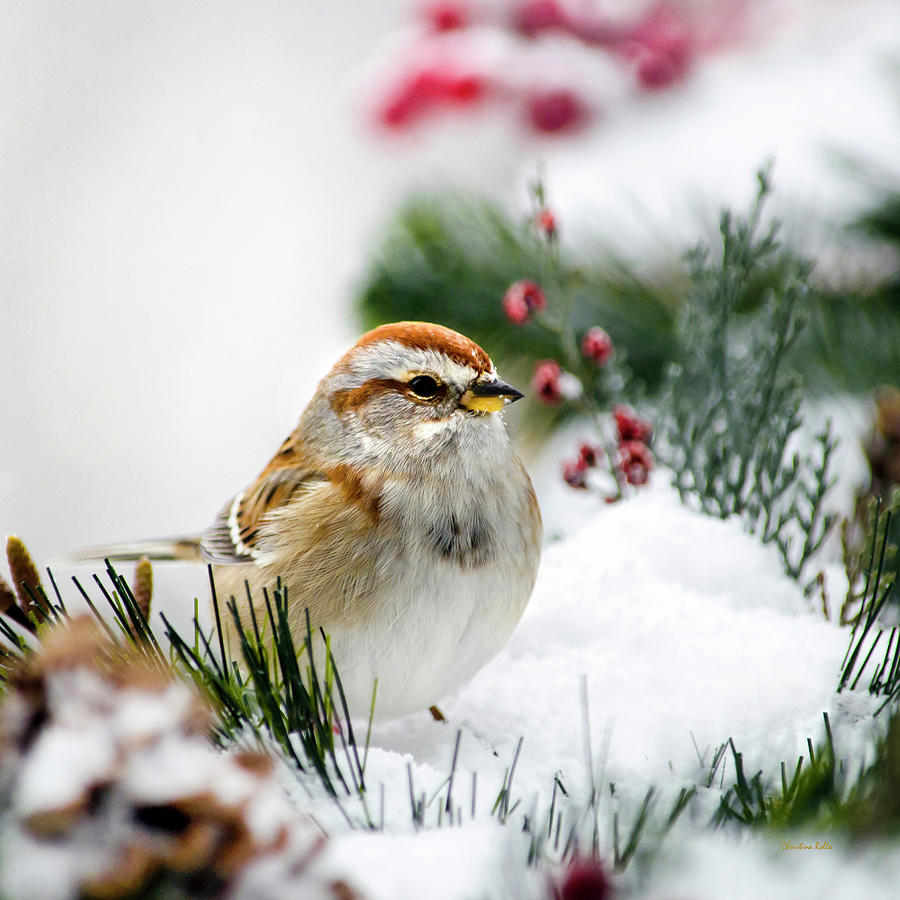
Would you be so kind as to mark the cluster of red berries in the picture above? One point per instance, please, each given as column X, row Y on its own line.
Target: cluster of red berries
column 659, row 46
column 632, row 456
column 660, row 43
column 432, row 86
column 552, row 384
column 575, row 471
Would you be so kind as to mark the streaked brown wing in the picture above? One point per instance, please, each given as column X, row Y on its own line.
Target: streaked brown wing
column 234, row 537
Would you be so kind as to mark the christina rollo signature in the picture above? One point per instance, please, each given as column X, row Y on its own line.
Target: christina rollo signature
column 797, row 845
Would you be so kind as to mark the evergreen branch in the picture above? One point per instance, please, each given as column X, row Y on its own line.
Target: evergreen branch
column 731, row 402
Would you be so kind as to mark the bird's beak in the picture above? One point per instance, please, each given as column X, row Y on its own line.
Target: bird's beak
column 489, row 396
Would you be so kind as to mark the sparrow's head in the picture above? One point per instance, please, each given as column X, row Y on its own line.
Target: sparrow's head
column 414, row 381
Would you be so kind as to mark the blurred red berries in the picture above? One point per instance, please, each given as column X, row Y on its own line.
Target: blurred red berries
column 546, row 382
column 657, row 46
column 522, row 299
column 630, row 426
column 597, row 346
column 662, row 45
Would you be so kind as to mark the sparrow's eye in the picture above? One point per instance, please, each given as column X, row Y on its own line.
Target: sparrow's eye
column 424, row 386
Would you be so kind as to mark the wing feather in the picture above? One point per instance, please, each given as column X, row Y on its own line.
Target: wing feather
column 236, row 537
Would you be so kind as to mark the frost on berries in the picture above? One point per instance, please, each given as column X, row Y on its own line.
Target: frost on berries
column 545, row 382
column 597, row 346
column 574, row 473
column 635, row 461
column 522, row 299
column 570, row 386
column 630, row 426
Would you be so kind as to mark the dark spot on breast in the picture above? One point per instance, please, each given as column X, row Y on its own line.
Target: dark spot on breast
column 468, row 543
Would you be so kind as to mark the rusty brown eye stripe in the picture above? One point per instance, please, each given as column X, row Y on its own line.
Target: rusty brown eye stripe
column 351, row 400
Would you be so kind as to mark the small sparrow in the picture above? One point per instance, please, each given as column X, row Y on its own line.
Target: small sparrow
column 397, row 512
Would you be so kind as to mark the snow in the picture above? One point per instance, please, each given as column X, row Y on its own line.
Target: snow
column 714, row 866
column 438, row 864
column 62, row 766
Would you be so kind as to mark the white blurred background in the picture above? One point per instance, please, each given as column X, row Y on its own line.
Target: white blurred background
column 186, row 197
column 189, row 192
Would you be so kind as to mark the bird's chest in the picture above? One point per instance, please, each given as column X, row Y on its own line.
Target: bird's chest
column 441, row 523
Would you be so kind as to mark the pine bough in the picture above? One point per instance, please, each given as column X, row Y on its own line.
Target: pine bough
column 732, row 405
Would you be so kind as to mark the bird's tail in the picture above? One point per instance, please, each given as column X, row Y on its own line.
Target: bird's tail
column 180, row 548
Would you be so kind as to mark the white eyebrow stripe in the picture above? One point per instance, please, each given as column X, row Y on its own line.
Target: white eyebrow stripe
column 392, row 359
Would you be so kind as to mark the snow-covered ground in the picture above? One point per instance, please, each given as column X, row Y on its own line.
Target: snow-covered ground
column 685, row 632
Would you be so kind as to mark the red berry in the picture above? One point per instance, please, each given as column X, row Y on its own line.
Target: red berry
column 515, row 307
column 631, row 427
column 401, row 108
column 427, row 89
column 534, row 296
column 546, row 222
column 463, row 89
column 437, row 85
column 556, row 111
column 587, row 453
column 447, row 15
column 574, row 473
column 411, row 99
column 597, row 345
column 635, row 461
column 657, row 71
column 663, row 47
column 523, row 298
column 545, row 382
column 586, row 880
column 534, row 16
